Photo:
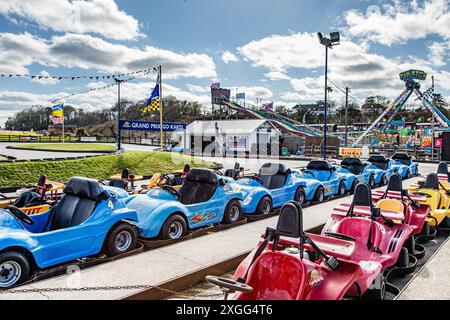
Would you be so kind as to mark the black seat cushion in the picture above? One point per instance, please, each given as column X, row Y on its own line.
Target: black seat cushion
column 232, row 173
column 403, row 158
column 28, row 199
column 273, row 175
column 432, row 182
column 319, row 165
column 199, row 186
column 354, row 165
column 395, row 183
column 80, row 199
column 381, row 162
column 121, row 184
column 442, row 168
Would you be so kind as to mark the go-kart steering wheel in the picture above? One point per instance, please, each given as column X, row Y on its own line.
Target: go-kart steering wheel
column 172, row 191
column 340, row 236
column 19, row 214
column 229, row 284
column 309, row 172
column 218, row 172
column 256, row 178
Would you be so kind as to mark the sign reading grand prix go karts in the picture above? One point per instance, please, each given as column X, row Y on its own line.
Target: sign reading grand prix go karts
column 151, row 126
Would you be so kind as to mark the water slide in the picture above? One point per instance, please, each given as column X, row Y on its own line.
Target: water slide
column 279, row 123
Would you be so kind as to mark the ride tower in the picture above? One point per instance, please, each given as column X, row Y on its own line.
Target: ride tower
column 412, row 86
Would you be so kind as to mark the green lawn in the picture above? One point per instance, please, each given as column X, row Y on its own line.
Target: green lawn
column 66, row 147
column 140, row 163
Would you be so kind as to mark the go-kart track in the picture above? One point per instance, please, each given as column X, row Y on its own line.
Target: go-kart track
column 178, row 270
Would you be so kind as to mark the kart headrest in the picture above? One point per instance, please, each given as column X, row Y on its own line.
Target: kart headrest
column 432, row 182
column 378, row 158
column 319, row 165
column 362, row 196
column 395, row 183
column 401, row 156
column 42, row 181
column 442, row 168
column 125, row 173
column 202, row 176
column 352, row 162
column 83, row 188
column 290, row 220
column 231, row 173
column 237, row 166
column 187, row 168
column 270, row 169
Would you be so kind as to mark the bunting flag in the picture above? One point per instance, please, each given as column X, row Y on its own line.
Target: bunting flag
column 215, row 86
column 268, row 107
column 96, row 77
column 153, row 102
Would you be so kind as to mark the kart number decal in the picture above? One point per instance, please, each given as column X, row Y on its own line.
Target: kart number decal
column 204, row 216
column 315, row 278
column 110, row 205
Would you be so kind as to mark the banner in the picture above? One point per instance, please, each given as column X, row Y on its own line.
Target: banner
column 130, row 125
column 220, row 95
column 352, row 152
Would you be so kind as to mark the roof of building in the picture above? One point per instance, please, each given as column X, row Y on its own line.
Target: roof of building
column 226, row 126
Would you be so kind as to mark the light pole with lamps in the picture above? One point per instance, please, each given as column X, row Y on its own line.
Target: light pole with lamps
column 333, row 40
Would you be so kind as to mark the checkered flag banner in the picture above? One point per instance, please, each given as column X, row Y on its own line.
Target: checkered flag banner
column 428, row 94
column 153, row 106
column 215, row 86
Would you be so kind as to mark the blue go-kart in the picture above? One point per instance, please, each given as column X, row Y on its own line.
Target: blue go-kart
column 204, row 199
column 404, row 159
column 389, row 166
column 273, row 186
column 86, row 221
column 363, row 172
column 334, row 183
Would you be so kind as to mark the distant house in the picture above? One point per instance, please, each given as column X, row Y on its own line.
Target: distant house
column 56, row 129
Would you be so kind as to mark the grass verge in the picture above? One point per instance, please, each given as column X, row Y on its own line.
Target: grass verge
column 86, row 147
column 140, row 163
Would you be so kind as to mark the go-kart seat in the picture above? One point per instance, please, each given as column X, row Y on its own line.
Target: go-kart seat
column 391, row 204
column 273, row 175
column 125, row 174
column 121, row 184
column 395, row 183
column 403, row 158
column 321, row 166
column 199, row 186
column 443, row 169
column 28, row 199
column 432, row 182
column 42, row 186
column 381, row 162
column 81, row 196
column 354, row 165
column 232, row 173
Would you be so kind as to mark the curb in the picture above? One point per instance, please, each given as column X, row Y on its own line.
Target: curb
column 62, row 151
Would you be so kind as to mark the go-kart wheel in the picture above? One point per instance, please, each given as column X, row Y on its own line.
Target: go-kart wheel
column 425, row 229
column 300, row 196
column 372, row 181
column 173, row 228
column 342, row 190
column 14, row 269
column 445, row 223
column 384, row 180
column 403, row 259
column 233, row 212
column 410, row 244
column 319, row 195
column 377, row 291
column 264, row 206
column 122, row 238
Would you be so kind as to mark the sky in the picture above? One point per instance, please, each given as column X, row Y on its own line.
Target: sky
column 267, row 49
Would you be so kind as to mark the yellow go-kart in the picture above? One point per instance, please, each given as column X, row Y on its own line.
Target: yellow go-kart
column 438, row 198
column 443, row 177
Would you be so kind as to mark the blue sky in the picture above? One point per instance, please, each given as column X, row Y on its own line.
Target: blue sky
column 266, row 48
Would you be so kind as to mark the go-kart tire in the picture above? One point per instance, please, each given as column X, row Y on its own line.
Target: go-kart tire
column 445, row 223
column 425, row 229
column 14, row 269
column 342, row 190
column 384, row 180
column 300, row 196
column 233, row 212
column 173, row 228
column 371, row 181
column 121, row 238
column 403, row 258
column 376, row 294
column 264, row 206
column 319, row 196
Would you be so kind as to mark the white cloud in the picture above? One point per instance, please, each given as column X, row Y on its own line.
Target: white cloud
column 94, row 16
column 44, row 80
column 227, row 57
column 197, row 89
column 399, row 21
column 276, row 76
column 85, row 51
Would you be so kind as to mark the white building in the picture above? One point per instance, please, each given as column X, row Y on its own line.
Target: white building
column 231, row 136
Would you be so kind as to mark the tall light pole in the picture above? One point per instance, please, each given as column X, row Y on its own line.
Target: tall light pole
column 328, row 43
column 119, row 130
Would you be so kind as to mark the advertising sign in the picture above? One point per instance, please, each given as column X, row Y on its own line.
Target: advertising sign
column 131, row 125
column 353, row 152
